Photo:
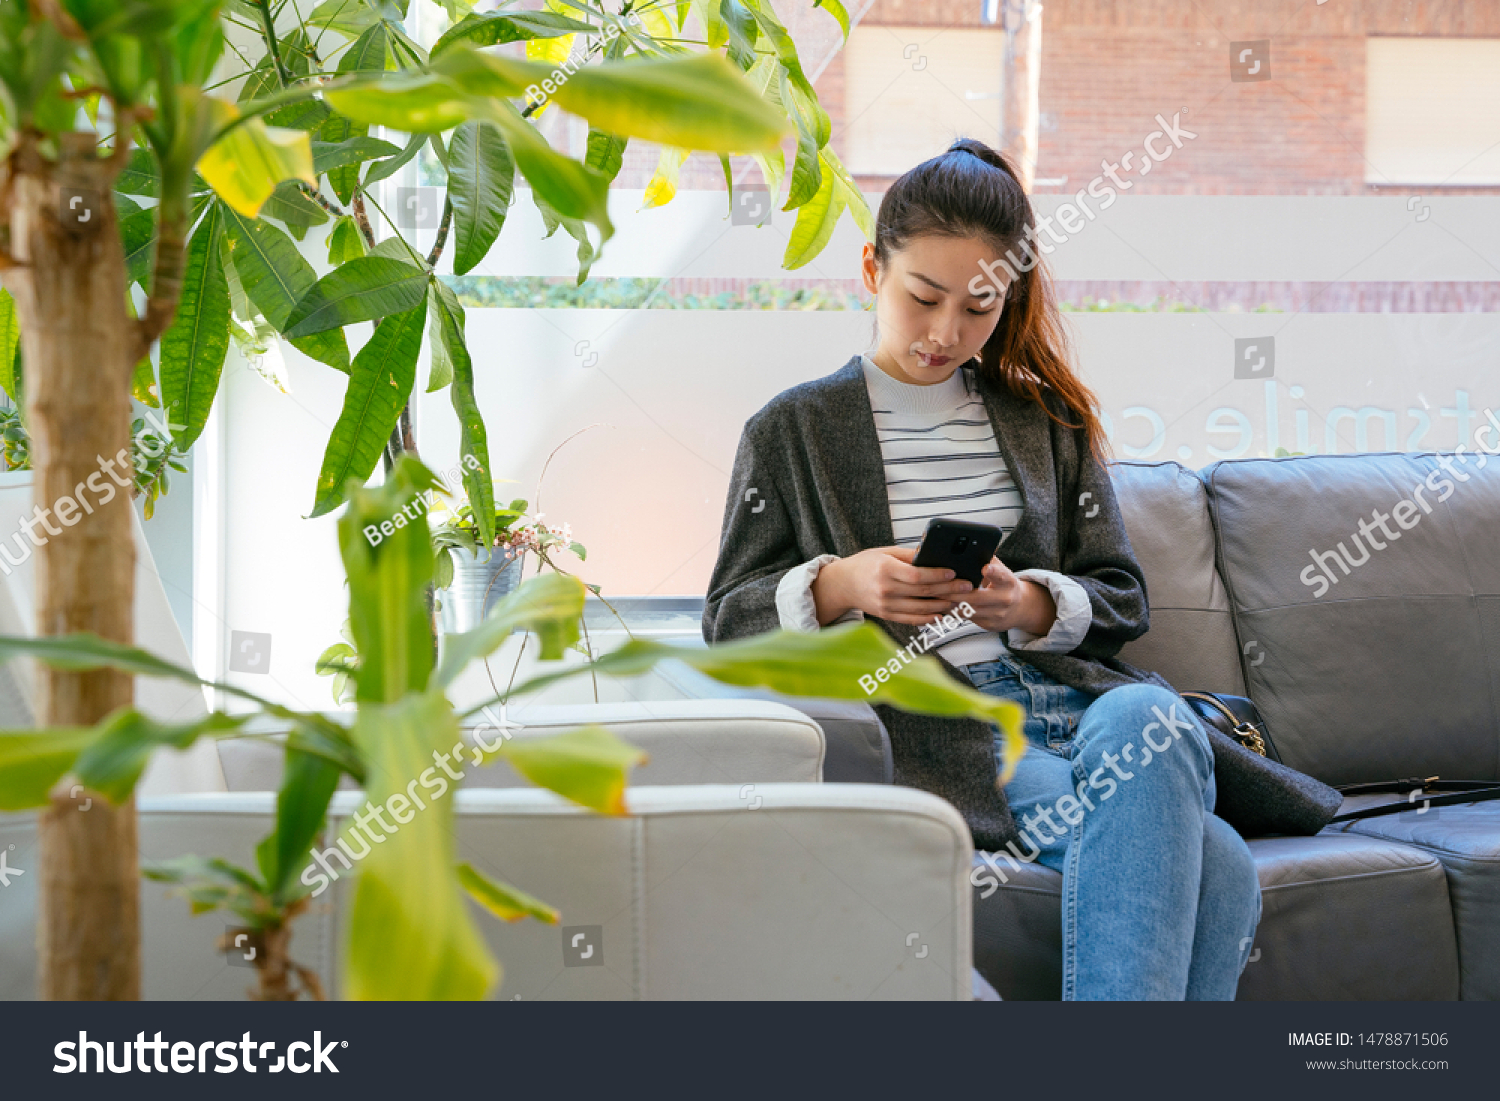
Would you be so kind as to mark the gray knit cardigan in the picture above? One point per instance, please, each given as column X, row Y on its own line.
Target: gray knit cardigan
column 809, row 479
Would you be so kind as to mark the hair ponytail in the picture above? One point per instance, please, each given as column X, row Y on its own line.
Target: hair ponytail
column 971, row 190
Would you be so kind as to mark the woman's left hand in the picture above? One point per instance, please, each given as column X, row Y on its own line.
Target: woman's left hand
column 1004, row 600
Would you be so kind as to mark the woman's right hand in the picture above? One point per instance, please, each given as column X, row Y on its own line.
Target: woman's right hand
column 882, row 582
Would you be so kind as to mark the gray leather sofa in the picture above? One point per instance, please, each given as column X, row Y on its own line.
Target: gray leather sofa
column 1392, row 670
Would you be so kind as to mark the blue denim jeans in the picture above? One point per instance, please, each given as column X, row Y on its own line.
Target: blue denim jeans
column 1160, row 899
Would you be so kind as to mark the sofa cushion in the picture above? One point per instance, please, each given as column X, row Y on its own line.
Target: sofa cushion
column 1191, row 641
column 1343, row 917
column 1386, row 667
column 1466, row 839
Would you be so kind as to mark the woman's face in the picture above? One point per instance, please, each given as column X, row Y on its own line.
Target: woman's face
column 931, row 321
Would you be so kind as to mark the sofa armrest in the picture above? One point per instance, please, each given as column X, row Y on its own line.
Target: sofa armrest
column 858, row 748
column 692, row 741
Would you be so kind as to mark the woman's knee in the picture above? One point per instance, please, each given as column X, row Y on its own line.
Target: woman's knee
column 1141, row 722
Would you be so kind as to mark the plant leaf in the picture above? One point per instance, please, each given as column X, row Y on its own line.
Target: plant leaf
column 495, row 28
column 501, row 899
column 360, row 290
column 388, row 576
column 113, row 762
column 827, row 664
column 815, row 223
column 32, row 761
column 481, row 176
column 10, row 337
column 193, row 349
column 663, row 183
column 307, row 784
column 589, row 765
column 380, row 381
column 473, row 438
column 246, row 164
column 345, row 242
column 272, row 271
column 410, row 934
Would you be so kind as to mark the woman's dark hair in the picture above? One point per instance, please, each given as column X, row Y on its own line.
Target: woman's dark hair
column 972, row 191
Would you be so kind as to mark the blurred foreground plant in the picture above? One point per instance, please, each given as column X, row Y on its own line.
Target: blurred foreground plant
column 410, row 935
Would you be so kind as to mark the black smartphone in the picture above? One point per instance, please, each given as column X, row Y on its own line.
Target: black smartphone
column 963, row 547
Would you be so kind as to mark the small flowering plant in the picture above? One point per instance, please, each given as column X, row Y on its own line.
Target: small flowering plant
column 515, row 534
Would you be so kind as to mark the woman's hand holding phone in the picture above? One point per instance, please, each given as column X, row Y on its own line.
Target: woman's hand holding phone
column 882, row 582
column 1004, row 601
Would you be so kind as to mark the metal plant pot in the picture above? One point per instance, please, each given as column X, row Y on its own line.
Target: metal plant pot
column 477, row 587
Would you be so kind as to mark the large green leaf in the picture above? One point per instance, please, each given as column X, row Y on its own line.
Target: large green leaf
column 84, row 650
column 410, row 933
column 481, row 176
column 272, row 271
column 114, row 762
column 287, row 204
column 31, row 761
column 358, row 290
column 549, row 605
column 10, row 337
column 815, row 223
column 473, row 438
column 274, row 276
column 138, row 234
column 193, row 349
column 390, row 165
column 388, row 560
column 469, row 88
column 245, row 165
column 495, row 28
column 308, row 783
column 439, row 361
column 380, row 381
column 828, row 663
column 590, row 765
column 698, row 102
column 140, row 175
column 501, row 899
column 349, row 18
column 353, row 150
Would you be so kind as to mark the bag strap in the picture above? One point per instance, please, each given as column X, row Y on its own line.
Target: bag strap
column 1474, row 795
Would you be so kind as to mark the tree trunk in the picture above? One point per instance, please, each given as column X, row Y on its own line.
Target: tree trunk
column 70, row 292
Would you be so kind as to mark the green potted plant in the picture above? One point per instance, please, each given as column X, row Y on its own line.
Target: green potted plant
column 473, row 576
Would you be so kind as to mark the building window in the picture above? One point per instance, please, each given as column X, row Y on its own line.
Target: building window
column 911, row 90
column 1432, row 111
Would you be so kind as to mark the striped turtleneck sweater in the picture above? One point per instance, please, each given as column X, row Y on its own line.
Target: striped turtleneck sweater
column 942, row 460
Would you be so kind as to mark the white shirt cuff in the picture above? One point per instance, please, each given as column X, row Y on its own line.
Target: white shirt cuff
column 1074, row 615
column 794, row 600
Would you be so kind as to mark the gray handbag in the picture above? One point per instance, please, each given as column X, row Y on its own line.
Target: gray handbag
column 1258, row 795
